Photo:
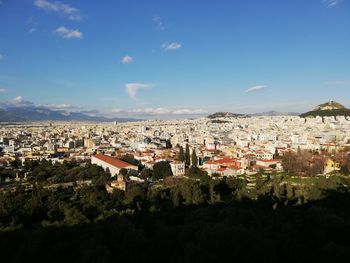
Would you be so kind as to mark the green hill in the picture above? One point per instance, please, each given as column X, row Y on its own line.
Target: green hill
column 330, row 108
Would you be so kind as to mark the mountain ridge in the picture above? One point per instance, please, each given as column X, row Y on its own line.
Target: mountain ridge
column 35, row 113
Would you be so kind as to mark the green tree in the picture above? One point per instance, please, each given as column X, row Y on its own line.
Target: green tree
column 187, row 155
column 146, row 173
column 181, row 155
column 72, row 215
column 134, row 193
column 161, row 170
column 194, row 159
column 195, row 172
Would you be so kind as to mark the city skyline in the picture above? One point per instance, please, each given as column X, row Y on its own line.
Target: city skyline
column 174, row 58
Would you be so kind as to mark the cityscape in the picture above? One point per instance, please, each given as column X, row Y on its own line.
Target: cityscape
column 158, row 130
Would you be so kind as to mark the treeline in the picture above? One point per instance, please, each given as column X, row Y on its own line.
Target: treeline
column 45, row 172
column 263, row 217
column 243, row 230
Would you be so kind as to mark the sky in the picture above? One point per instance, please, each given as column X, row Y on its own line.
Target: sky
column 174, row 58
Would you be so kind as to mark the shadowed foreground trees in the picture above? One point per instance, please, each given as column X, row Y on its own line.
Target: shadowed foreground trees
column 241, row 231
column 177, row 219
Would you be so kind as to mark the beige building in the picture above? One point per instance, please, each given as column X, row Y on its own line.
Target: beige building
column 178, row 168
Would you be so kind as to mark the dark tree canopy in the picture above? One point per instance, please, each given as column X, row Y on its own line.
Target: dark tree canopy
column 161, row 170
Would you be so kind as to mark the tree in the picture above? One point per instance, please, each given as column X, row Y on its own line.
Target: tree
column 161, row 170
column 302, row 163
column 134, row 193
column 72, row 215
column 129, row 158
column 181, row 155
column 194, row 159
column 146, row 173
column 16, row 163
column 195, row 172
column 187, row 155
column 123, row 172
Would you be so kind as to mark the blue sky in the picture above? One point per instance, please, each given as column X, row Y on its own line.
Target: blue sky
column 175, row 58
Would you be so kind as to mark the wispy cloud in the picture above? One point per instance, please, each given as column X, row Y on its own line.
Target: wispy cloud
column 133, row 88
column 331, row 3
column 3, row 89
column 171, row 46
column 68, row 33
column 16, row 102
column 63, row 9
column 160, row 111
column 159, row 22
column 32, row 30
column 255, row 88
column 19, row 102
column 127, row 59
column 62, row 106
column 33, row 25
column 338, row 82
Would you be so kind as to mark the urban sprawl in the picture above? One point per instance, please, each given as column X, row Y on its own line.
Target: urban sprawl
column 223, row 147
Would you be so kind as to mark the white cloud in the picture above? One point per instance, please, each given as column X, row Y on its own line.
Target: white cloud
column 160, row 111
column 62, row 106
column 189, row 111
column 255, row 88
column 17, row 100
column 127, row 60
column 63, row 9
column 3, row 89
column 331, row 3
column 133, row 88
column 32, row 30
column 338, row 82
column 68, row 33
column 171, row 46
column 159, row 22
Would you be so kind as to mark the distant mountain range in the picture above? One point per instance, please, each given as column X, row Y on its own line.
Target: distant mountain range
column 36, row 113
column 330, row 108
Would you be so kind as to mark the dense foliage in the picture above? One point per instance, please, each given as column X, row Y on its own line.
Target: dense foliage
column 264, row 217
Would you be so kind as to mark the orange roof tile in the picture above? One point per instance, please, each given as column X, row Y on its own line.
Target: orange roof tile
column 113, row 161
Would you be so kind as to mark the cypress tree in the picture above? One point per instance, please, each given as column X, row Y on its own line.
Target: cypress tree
column 194, row 159
column 187, row 155
column 181, row 155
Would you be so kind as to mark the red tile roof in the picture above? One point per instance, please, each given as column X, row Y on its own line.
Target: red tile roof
column 113, row 161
